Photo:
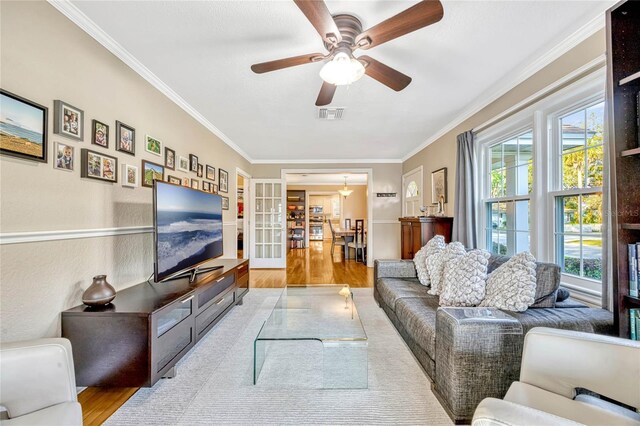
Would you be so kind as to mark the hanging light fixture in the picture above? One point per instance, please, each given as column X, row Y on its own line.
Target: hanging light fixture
column 345, row 192
column 343, row 69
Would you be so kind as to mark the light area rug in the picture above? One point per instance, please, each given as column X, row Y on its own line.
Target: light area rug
column 214, row 382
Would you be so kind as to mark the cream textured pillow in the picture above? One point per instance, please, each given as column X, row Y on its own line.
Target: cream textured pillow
column 464, row 279
column 435, row 264
column 512, row 286
column 433, row 246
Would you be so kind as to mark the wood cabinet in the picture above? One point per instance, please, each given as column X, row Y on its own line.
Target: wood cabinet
column 149, row 327
column 417, row 231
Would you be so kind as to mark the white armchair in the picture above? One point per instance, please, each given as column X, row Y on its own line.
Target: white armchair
column 37, row 383
column 557, row 362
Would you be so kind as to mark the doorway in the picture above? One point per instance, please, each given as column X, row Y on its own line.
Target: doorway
column 242, row 217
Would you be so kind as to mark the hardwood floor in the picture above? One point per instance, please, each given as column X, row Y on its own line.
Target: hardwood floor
column 313, row 265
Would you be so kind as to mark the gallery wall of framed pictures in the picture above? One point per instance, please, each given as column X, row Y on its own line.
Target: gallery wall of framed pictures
column 24, row 135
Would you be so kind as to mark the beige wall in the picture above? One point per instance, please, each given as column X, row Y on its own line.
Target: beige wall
column 44, row 57
column 386, row 211
column 354, row 206
column 442, row 152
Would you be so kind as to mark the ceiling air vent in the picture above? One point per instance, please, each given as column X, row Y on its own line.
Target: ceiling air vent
column 330, row 113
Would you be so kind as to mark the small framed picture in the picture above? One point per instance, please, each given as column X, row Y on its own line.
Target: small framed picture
column 439, row 186
column 205, row 186
column 195, row 184
column 125, row 138
column 223, row 180
column 23, row 126
column 211, row 173
column 65, row 157
column 96, row 165
column 200, row 170
column 99, row 134
column 225, row 203
column 129, row 176
column 151, row 172
column 214, row 188
column 183, row 164
column 69, row 120
column 193, row 163
column 186, row 182
column 169, row 158
column 153, row 145
column 174, row 180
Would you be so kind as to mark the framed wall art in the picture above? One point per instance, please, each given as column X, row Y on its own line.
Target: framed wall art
column 125, row 138
column 439, row 185
column 150, row 172
column 211, row 173
column 129, row 176
column 23, row 128
column 195, row 184
column 99, row 134
column 223, row 180
column 169, row 158
column 69, row 120
column 183, row 164
column 96, row 165
column 153, row 145
column 64, row 157
column 193, row 162
column 225, row 203
column 174, row 180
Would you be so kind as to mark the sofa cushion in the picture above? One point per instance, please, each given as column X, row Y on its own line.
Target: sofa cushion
column 392, row 289
column 419, row 260
column 562, row 294
column 547, row 281
column 512, row 286
column 436, row 263
column 418, row 316
column 465, row 279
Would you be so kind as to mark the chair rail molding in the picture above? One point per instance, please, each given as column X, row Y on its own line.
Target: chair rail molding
column 70, row 234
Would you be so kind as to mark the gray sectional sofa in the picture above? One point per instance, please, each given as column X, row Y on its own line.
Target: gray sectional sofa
column 474, row 353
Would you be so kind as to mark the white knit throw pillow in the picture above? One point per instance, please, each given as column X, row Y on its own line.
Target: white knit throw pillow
column 435, row 264
column 465, row 279
column 433, row 246
column 512, row 286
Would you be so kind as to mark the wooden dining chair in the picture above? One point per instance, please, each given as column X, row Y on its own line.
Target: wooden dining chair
column 347, row 224
column 359, row 243
column 335, row 241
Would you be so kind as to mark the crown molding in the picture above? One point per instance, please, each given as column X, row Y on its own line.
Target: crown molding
column 76, row 16
column 500, row 89
column 328, row 161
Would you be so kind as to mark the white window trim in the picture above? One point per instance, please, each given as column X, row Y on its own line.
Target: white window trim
column 420, row 188
column 542, row 118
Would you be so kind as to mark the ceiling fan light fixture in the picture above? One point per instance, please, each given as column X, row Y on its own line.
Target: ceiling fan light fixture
column 343, row 69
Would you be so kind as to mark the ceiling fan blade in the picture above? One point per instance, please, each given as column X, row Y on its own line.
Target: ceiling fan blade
column 326, row 94
column 384, row 74
column 286, row 63
column 317, row 13
column 425, row 13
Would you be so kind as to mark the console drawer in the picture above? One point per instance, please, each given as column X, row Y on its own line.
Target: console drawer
column 243, row 270
column 169, row 347
column 209, row 315
column 219, row 286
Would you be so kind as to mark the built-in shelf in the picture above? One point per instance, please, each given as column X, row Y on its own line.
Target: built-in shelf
column 630, row 226
column 635, row 301
column 629, row 79
column 630, row 152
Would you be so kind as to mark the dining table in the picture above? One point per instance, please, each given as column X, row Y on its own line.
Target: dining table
column 348, row 235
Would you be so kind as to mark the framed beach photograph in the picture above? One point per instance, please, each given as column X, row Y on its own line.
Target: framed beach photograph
column 186, row 182
column 183, row 164
column 223, row 180
column 150, row 172
column 23, row 128
column 174, row 180
column 193, row 163
column 200, row 170
column 96, row 165
column 439, row 185
column 225, row 203
column 153, row 145
column 69, row 120
column 169, row 158
column 129, row 176
column 125, row 138
column 65, row 157
column 195, row 184
column 99, row 134
column 211, row 173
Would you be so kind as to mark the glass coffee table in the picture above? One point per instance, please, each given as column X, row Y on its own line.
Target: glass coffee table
column 320, row 314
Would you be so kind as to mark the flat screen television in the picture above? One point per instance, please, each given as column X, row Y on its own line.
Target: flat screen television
column 188, row 229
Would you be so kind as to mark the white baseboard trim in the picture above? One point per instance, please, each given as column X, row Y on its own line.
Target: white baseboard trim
column 70, row 234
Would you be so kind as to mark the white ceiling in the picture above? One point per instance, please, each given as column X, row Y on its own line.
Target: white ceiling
column 203, row 51
column 326, row 178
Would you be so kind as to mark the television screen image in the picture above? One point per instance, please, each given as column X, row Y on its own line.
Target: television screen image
column 188, row 225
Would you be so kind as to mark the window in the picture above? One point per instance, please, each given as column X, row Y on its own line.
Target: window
column 508, row 201
column 578, row 202
column 412, row 192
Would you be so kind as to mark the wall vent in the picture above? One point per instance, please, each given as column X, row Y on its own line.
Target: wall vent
column 330, row 113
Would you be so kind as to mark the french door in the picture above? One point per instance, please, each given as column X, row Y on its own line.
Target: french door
column 267, row 224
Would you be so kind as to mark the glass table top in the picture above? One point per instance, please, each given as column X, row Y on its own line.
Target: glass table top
column 315, row 312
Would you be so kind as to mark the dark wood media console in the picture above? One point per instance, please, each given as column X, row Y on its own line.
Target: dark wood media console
column 148, row 328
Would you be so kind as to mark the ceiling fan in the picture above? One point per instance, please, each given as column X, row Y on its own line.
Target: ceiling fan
column 342, row 35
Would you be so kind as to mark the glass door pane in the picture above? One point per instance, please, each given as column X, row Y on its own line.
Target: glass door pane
column 267, row 224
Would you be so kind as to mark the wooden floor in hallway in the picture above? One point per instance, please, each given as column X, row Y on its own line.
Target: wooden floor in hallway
column 314, row 265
